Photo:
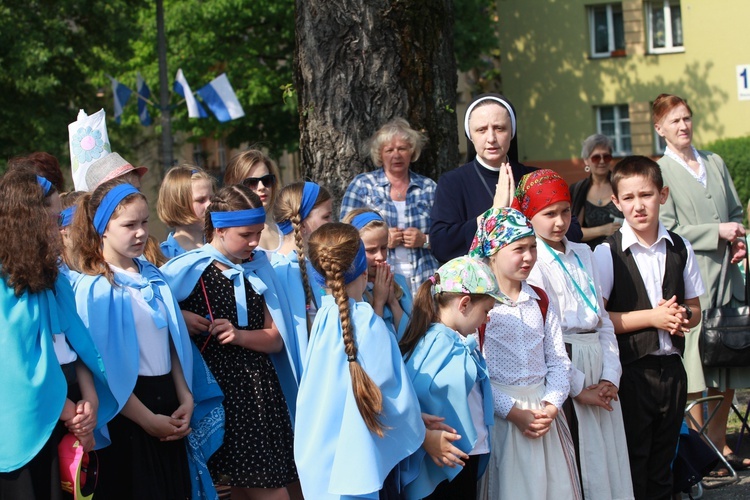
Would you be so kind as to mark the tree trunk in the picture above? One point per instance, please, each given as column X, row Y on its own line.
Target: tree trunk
column 360, row 63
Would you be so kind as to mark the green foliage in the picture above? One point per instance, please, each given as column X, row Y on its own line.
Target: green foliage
column 475, row 42
column 47, row 52
column 736, row 154
column 251, row 40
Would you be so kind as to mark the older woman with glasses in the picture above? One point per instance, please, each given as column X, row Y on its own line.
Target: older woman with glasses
column 255, row 170
column 592, row 197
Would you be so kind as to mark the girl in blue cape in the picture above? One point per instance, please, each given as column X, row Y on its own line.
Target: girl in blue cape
column 449, row 373
column 232, row 286
column 300, row 209
column 184, row 196
column 357, row 414
column 37, row 311
column 387, row 292
column 134, row 321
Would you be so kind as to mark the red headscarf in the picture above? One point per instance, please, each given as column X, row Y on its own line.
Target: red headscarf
column 538, row 190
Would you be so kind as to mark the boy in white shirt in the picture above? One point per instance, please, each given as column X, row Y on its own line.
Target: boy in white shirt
column 650, row 283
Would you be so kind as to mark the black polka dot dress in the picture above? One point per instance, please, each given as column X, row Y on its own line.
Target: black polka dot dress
column 258, row 451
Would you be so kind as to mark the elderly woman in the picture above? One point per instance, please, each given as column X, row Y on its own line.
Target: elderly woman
column 402, row 196
column 592, row 197
column 468, row 191
column 257, row 171
column 704, row 208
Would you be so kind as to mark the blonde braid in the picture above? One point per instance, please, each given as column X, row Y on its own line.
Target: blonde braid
column 366, row 393
column 296, row 221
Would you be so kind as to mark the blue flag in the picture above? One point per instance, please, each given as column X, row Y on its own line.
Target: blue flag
column 121, row 94
column 195, row 110
column 220, row 98
column 143, row 93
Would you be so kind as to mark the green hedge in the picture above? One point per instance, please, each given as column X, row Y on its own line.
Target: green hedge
column 736, row 154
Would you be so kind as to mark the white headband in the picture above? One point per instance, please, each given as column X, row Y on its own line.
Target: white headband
column 490, row 98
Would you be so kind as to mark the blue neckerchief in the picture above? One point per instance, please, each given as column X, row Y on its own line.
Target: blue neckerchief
column 594, row 306
column 150, row 292
column 183, row 272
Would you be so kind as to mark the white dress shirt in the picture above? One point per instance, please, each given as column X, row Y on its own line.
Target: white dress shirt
column 651, row 262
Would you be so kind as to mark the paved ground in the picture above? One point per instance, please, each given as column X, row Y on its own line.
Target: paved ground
column 741, row 488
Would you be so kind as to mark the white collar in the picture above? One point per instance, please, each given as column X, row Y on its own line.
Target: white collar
column 629, row 238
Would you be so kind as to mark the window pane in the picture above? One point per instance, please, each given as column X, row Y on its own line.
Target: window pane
column 618, row 27
column 657, row 26
column 601, row 33
column 624, row 112
column 676, row 26
column 607, row 113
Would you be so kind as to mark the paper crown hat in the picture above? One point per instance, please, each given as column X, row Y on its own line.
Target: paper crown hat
column 89, row 141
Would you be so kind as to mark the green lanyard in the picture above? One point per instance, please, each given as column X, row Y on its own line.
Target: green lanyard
column 592, row 305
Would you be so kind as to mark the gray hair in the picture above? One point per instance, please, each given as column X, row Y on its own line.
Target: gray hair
column 396, row 128
column 595, row 141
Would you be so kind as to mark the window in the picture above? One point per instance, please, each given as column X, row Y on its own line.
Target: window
column 607, row 30
column 614, row 122
column 664, row 26
column 199, row 157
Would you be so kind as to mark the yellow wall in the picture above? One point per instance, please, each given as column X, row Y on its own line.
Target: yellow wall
column 554, row 84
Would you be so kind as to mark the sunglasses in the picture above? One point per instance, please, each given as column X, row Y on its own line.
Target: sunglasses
column 599, row 158
column 268, row 180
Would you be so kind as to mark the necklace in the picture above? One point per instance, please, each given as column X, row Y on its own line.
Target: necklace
column 398, row 195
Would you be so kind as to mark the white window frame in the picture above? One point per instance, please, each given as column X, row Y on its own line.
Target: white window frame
column 610, row 30
column 617, row 140
column 669, row 47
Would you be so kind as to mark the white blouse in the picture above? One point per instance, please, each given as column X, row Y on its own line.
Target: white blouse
column 576, row 313
column 522, row 349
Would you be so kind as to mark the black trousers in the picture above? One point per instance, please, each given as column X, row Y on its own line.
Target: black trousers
column 464, row 485
column 653, row 393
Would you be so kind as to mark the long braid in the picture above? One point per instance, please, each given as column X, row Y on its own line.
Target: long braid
column 296, row 221
column 333, row 248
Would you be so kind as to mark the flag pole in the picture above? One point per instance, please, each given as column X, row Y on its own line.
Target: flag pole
column 166, row 113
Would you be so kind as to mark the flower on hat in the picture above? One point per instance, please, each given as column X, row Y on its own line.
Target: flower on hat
column 87, row 144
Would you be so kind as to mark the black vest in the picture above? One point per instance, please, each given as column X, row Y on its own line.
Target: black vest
column 629, row 294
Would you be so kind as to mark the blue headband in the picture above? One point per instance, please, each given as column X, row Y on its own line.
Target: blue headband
column 355, row 270
column 46, row 185
column 361, row 220
column 238, row 218
column 67, row 216
column 108, row 205
column 309, row 197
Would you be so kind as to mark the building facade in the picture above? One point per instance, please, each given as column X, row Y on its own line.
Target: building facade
column 573, row 68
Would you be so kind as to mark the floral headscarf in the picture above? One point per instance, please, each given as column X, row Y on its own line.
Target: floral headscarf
column 498, row 228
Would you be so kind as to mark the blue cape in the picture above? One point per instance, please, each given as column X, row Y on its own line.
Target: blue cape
column 336, row 454
column 34, row 388
column 170, row 248
column 184, row 271
column 107, row 311
column 287, row 272
column 443, row 371
column 406, row 302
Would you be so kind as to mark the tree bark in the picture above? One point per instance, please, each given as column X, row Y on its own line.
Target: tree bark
column 360, row 63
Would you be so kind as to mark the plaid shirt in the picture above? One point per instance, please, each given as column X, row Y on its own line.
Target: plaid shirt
column 372, row 190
